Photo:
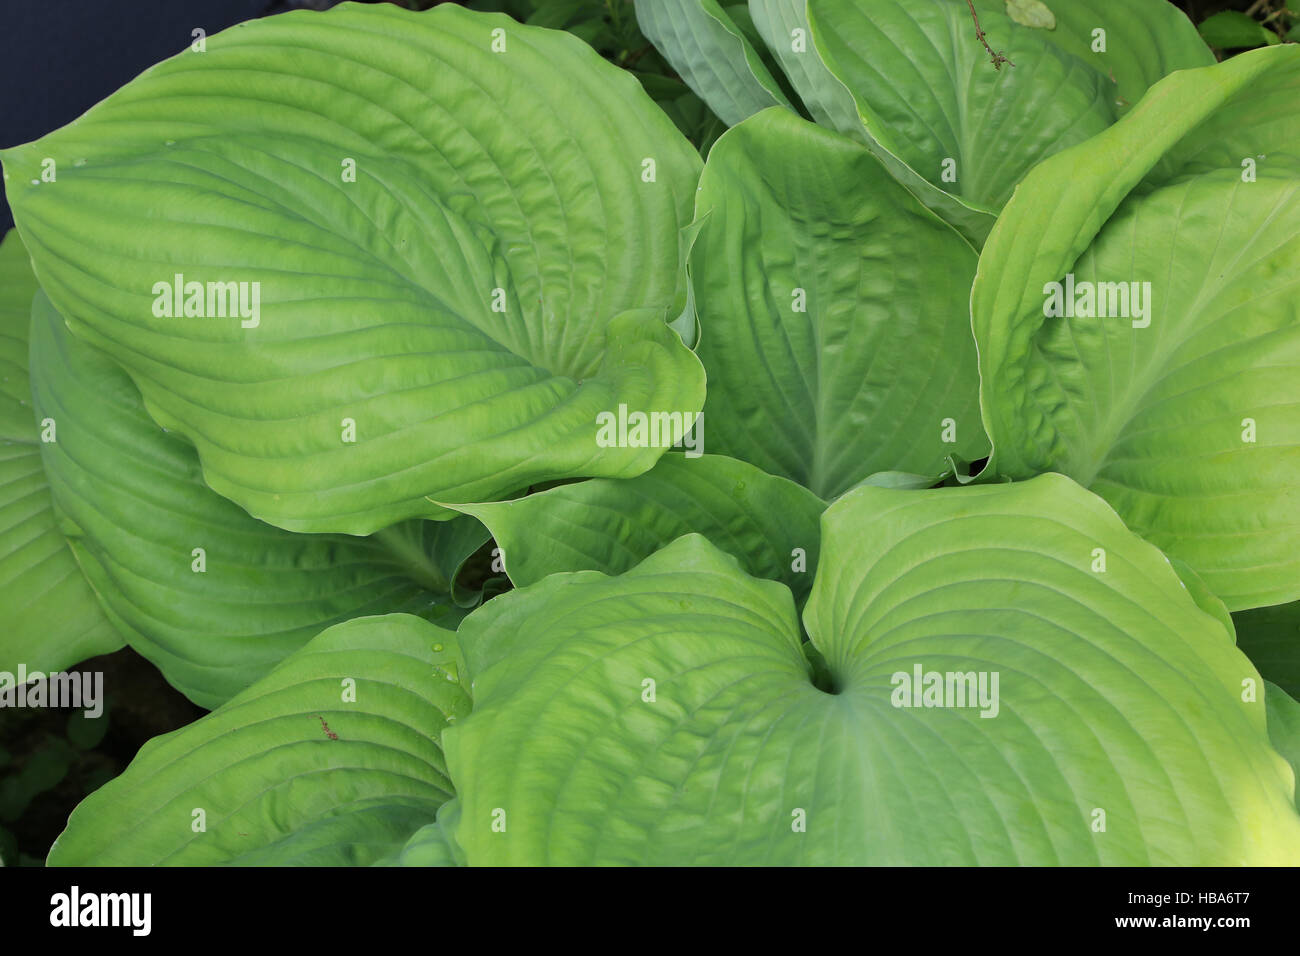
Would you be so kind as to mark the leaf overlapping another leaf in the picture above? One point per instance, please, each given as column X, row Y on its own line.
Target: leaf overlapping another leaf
column 212, row 596
column 912, row 80
column 834, row 311
column 497, row 166
column 1133, row 43
column 712, row 55
column 769, row 524
column 291, row 771
column 927, row 94
column 468, row 238
column 1183, row 417
column 51, row 617
column 1118, row 735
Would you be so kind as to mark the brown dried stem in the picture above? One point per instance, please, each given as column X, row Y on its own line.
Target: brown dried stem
column 997, row 57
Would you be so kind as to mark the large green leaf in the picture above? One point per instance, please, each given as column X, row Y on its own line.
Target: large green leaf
column 17, row 287
column 928, row 93
column 834, row 311
column 1142, row 41
column 142, row 523
column 1181, row 414
column 291, row 771
column 711, row 54
column 785, row 27
column 769, row 524
column 496, row 164
column 1270, row 636
column 913, row 81
column 1115, row 694
column 51, row 618
column 1284, row 729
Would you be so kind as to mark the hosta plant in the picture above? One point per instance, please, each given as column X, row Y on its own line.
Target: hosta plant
column 891, row 485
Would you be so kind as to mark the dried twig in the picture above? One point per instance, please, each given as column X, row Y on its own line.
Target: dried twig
column 998, row 58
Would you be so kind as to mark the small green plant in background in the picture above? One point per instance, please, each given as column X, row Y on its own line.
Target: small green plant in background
column 1263, row 23
column 890, row 457
column 51, row 758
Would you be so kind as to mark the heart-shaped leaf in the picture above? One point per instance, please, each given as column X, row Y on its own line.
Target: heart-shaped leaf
column 370, row 257
column 785, row 27
column 928, row 93
column 1011, row 677
column 834, row 311
column 1121, row 346
column 331, row 759
column 213, row 597
column 51, row 618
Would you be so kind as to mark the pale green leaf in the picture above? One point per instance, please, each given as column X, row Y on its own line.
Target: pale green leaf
column 899, row 479
column 1133, row 43
column 1284, row 729
column 212, row 596
column 51, row 619
column 794, row 41
column 291, row 771
column 711, row 54
column 769, row 524
column 1032, row 13
column 497, row 167
column 1180, row 413
column 670, row 715
column 834, row 312
column 928, row 93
